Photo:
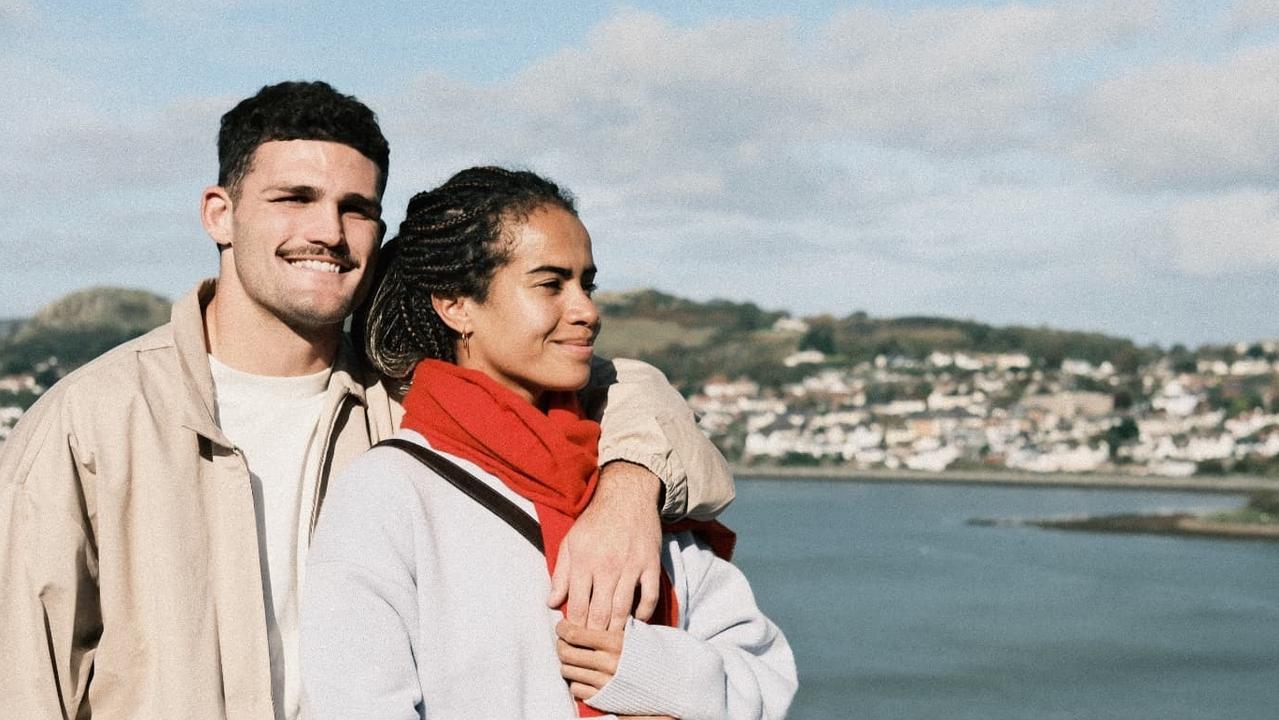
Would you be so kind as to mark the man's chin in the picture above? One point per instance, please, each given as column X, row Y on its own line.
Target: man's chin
column 310, row 320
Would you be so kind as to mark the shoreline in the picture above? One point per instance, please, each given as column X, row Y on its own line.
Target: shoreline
column 1221, row 484
column 1175, row 524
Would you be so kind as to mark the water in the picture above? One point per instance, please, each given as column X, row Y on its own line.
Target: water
column 898, row 609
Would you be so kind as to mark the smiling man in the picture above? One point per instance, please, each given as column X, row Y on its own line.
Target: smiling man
column 156, row 505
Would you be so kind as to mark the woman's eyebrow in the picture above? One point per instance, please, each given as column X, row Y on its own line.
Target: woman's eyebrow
column 561, row 271
column 553, row 269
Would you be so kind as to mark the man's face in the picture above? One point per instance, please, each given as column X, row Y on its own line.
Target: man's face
column 303, row 231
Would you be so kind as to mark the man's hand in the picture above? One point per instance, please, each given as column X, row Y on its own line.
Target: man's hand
column 612, row 547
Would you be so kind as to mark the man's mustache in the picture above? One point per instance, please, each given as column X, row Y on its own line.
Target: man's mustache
column 319, row 252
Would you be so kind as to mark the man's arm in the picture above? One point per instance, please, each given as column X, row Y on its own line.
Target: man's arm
column 651, row 450
column 50, row 619
column 645, row 421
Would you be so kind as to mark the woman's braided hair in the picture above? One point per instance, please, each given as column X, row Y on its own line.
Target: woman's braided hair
column 452, row 240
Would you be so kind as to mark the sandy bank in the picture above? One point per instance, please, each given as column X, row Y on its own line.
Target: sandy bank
column 1182, row 524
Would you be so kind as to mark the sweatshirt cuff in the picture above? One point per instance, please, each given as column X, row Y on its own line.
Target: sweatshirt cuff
column 650, row 678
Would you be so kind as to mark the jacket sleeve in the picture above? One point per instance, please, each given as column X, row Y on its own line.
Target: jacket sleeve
column 646, row 421
column 728, row 661
column 50, row 619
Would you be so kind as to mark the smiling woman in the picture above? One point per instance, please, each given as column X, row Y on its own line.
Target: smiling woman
column 420, row 596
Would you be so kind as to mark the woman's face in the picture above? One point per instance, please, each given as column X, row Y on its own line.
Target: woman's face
column 535, row 331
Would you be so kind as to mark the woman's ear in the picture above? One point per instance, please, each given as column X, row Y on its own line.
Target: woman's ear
column 454, row 311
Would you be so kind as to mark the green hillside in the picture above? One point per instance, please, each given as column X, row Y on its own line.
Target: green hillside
column 79, row 327
column 692, row 341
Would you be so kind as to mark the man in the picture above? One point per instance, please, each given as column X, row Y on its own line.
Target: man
column 159, row 501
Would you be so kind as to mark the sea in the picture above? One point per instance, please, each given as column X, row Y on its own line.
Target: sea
column 897, row 608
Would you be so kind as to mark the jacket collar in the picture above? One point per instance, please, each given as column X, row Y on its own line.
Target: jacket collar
column 187, row 320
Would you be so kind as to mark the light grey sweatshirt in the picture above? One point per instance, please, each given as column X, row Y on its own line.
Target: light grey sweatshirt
column 420, row 603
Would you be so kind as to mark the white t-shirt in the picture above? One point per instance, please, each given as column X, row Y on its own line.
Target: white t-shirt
column 273, row 422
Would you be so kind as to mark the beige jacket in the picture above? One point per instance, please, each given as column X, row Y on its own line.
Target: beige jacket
column 128, row 548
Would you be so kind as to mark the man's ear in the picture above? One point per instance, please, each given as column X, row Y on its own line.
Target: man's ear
column 215, row 215
column 454, row 311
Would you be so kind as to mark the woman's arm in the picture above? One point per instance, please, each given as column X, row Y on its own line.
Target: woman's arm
column 359, row 606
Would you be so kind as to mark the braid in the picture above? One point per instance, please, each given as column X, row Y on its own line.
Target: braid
column 449, row 245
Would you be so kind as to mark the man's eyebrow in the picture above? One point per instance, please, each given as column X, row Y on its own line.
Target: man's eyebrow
column 365, row 204
column 307, row 191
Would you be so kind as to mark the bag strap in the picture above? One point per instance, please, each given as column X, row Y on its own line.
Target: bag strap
column 475, row 488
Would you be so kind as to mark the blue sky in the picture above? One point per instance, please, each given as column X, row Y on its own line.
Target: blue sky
column 1084, row 165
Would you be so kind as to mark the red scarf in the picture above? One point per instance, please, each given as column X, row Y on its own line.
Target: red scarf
column 551, row 458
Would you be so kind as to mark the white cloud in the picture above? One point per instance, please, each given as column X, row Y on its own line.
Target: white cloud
column 1185, row 123
column 191, row 11
column 1222, row 235
column 1251, row 14
column 973, row 80
column 18, row 13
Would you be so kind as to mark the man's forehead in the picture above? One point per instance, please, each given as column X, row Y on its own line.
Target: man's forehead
column 293, row 161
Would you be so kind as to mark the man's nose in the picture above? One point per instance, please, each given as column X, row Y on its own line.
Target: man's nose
column 324, row 225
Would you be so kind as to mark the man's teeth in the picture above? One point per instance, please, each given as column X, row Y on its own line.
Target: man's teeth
column 316, row 265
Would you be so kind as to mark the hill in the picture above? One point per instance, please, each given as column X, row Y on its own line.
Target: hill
column 692, row 341
column 78, row 327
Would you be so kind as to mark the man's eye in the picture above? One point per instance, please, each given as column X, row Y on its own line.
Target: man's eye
column 360, row 212
column 553, row 285
column 589, row 288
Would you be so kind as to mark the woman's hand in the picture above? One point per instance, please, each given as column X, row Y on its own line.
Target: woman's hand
column 611, row 548
column 588, row 660
column 587, row 657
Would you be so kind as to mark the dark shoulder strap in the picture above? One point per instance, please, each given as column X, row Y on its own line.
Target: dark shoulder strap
column 475, row 488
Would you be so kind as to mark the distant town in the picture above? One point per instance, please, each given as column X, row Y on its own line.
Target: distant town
column 950, row 410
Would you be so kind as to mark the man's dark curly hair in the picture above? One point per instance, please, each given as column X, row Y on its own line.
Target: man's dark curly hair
column 296, row 111
column 452, row 240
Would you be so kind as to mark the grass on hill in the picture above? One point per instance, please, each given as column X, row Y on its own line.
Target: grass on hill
column 632, row 337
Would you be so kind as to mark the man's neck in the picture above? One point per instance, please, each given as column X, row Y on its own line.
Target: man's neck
column 247, row 338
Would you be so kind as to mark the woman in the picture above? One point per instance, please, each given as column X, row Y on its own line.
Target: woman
column 423, row 603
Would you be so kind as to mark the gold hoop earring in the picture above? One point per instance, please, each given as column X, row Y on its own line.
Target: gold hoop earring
column 466, row 344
